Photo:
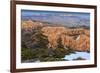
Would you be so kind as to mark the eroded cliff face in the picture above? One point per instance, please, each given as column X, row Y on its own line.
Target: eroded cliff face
column 83, row 43
column 53, row 35
column 77, row 38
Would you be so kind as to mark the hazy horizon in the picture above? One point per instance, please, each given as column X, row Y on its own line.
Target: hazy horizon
column 70, row 19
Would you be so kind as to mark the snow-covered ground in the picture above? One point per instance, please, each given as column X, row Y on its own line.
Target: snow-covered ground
column 84, row 55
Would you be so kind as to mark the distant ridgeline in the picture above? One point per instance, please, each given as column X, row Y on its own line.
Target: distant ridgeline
column 68, row 21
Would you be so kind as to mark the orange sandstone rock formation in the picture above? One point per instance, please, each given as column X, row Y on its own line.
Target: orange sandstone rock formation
column 76, row 39
column 53, row 34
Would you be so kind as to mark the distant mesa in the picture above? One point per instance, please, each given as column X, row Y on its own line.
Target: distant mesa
column 31, row 24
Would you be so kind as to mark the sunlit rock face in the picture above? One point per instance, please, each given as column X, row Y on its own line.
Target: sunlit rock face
column 76, row 39
column 53, row 35
column 29, row 24
column 83, row 43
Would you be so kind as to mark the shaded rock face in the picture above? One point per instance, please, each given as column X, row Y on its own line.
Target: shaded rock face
column 29, row 31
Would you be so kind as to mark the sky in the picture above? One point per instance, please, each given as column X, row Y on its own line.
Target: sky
column 57, row 17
